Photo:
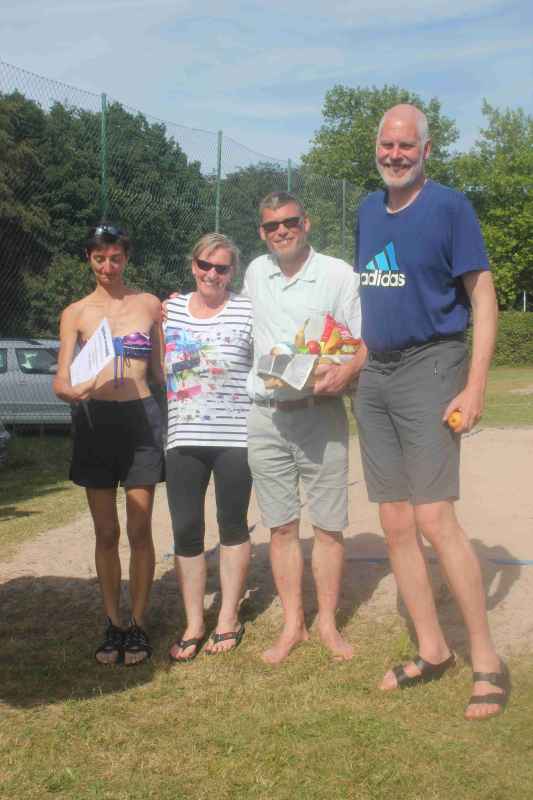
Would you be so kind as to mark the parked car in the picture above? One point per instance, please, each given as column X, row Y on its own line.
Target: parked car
column 27, row 372
column 5, row 441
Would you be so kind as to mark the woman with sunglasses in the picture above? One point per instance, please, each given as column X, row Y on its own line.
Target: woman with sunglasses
column 117, row 431
column 207, row 360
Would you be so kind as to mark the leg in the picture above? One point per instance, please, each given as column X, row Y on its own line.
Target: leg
column 322, row 459
column 103, row 506
column 276, row 479
column 459, row 563
column 233, row 486
column 411, row 572
column 188, row 473
column 287, row 566
column 139, row 505
column 328, row 564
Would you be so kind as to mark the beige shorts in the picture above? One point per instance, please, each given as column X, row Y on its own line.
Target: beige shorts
column 311, row 444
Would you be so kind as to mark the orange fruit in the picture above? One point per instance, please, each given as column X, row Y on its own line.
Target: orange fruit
column 454, row 420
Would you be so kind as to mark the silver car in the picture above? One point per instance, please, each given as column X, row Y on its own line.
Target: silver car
column 27, row 372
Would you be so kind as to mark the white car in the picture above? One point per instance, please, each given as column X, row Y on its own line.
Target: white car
column 27, row 372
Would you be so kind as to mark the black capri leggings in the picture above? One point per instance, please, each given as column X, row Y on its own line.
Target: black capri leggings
column 188, row 472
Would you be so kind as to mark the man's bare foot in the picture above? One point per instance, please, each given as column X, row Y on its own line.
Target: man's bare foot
column 187, row 652
column 411, row 670
column 331, row 638
column 288, row 639
column 110, row 648
column 227, row 626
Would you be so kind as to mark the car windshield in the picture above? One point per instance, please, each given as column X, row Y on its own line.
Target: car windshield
column 32, row 361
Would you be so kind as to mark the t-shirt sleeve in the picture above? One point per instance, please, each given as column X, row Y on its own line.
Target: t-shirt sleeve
column 468, row 248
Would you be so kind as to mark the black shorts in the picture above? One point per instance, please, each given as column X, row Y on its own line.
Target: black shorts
column 117, row 442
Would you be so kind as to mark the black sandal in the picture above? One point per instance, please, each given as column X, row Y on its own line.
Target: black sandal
column 500, row 679
column 184, row 644
column 428, row 672
column 223, row 637
column 111, row 643
column 136, row 641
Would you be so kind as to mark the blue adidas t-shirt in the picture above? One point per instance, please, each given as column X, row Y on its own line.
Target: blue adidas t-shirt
column 411, row 264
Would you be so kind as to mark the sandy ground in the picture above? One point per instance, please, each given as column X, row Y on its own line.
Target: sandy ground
column 496, row 513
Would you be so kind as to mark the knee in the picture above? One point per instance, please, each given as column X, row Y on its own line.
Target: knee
column 397, row 523
column 107, row 535
column 282, row 533
column 328, row 538
column 140, row 536
column 189, row 540
column 436, row 522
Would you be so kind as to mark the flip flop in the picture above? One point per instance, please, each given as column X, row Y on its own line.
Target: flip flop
column 223, row 637
column 184, row 644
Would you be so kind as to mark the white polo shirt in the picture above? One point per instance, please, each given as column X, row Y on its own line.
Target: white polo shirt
column 324, row 285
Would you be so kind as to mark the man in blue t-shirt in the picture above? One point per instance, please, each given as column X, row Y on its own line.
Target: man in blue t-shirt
column 423, row 267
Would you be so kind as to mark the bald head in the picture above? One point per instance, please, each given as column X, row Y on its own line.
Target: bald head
column 403, row 113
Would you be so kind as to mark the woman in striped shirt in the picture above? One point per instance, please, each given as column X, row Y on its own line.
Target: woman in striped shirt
column 207, row 359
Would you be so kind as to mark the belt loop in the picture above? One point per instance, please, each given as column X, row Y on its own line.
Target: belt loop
column 311, row 402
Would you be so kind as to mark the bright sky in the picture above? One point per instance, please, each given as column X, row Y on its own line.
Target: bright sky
column 260, row 72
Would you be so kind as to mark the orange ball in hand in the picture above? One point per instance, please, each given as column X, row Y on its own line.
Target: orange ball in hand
column 454, row 420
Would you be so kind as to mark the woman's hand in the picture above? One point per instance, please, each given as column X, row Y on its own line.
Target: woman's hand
column 83, row 391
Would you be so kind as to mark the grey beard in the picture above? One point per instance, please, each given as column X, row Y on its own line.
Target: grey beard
column 407, row 181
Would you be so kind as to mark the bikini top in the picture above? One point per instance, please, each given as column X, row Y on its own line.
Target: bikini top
column 133, row 345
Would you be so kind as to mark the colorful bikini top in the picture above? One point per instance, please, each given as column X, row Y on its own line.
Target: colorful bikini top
column 133, row 345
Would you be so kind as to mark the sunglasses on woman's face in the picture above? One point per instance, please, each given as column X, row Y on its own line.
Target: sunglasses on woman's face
column 222, row 269
column 290, row 222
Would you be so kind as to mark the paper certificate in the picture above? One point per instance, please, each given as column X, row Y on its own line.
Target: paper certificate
column 95, row 355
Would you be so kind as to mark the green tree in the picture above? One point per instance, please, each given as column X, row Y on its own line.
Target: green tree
column 497, row 176
column 344, row 147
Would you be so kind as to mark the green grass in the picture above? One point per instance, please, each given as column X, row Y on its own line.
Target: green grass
column 230, row 726
column 35, row 492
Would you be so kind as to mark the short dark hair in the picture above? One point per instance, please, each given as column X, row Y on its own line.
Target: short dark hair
column 100, row 236
column 278, row 200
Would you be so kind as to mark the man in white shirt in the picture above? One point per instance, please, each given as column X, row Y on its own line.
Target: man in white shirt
column 293, row 435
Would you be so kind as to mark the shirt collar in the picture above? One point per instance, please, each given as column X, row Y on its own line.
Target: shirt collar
column 307, row 272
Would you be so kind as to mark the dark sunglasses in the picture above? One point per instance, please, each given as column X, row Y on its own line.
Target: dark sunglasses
column 290, row 222
column 222, row 269
column 112, row 229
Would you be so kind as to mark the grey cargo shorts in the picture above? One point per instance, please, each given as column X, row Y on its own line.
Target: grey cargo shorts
column 408, row 453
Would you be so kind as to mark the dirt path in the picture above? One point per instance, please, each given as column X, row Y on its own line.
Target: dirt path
column 496, row 512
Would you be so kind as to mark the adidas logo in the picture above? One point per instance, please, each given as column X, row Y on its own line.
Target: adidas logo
column 383, row 269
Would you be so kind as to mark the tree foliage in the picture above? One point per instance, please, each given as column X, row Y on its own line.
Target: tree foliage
column 344, row 147
column 497, row 176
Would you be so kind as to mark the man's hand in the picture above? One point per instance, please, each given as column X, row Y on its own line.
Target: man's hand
column 164, row 312
column 470, row 404
column 334, row 379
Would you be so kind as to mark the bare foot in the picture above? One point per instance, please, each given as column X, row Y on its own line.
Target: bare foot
column 341, row 650
column 485, row 710
column 224, row 626
column 411, row 670
column 285, row 643
column 107, row 658
column 187, row 652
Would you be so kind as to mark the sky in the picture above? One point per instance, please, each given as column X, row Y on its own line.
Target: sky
column 260, row 72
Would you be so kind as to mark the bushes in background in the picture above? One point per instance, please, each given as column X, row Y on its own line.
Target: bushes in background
column 514, row 345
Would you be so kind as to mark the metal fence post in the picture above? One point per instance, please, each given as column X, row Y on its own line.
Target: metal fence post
column 103, row 198
column 344, row 219
column 289, row 165
column 219, row 173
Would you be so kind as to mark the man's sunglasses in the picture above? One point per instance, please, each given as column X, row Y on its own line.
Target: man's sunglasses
column 290, row 222
column 222, row 269
column 114, row 230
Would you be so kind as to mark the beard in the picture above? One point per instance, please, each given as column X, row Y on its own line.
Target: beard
column 403, row 183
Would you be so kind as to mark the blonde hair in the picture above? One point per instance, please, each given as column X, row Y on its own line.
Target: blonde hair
column 211, row 242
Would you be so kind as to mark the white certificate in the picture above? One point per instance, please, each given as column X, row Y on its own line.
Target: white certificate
column 95, row 355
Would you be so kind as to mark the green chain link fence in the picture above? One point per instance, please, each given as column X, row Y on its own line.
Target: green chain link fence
column 70, row 159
